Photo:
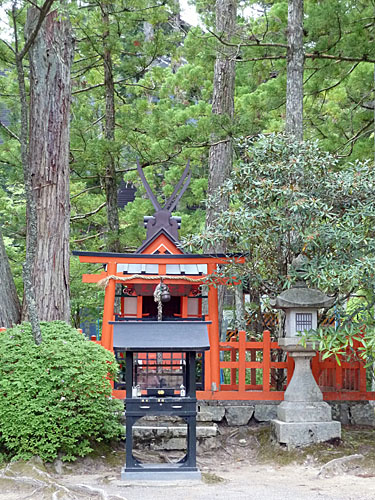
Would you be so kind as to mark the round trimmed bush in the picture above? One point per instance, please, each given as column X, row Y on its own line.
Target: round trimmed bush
column 55, row 398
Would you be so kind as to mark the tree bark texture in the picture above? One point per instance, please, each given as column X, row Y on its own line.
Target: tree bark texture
column 294, row 72
column 114, row 244
column 10, row 308
column 50, row 59
column 220, row 155
column 239, row 307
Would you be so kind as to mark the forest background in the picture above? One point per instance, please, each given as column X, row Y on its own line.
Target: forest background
column 141, row 84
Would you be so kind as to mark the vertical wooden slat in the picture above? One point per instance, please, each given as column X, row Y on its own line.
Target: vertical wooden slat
column 362, row 378
column 233, row 371
column 241, row 361
column 338, row 376
column 290, row 368
column 266, row 360
column 253, row 371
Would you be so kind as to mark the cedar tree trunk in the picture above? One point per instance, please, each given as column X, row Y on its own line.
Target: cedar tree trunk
column 220, row 155
column 10, row 308
column 294, row 71
column 50, row 59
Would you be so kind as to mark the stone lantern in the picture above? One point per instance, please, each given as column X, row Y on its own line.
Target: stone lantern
column 303, row 417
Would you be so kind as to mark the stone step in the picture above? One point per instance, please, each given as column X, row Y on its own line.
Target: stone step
column 161, row 431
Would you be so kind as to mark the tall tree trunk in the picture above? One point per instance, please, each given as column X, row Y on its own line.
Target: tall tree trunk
column 113, row 244
column 50, row 59
column 10, row 308
column 294, row 71
column 29, row 303
column 220, row 155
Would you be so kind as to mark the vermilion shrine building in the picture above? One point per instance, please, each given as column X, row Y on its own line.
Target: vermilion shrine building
column 140, row 273
column 237, row 369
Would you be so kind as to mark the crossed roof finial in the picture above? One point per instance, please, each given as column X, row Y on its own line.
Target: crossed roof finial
column 162, row 218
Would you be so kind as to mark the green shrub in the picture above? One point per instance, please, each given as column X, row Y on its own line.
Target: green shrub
column 55, row 399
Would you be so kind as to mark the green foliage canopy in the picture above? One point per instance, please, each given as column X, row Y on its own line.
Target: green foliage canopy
column 288, row 198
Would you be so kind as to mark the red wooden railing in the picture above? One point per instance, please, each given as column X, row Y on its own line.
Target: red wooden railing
column 249, row 368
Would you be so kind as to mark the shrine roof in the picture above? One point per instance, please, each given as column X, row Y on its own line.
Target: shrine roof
column 140, row 336
column 113, row 255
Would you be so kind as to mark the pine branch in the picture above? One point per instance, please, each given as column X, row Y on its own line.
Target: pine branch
column 123, row 80
column 318, row 55
column 97, row 235
column 84, row 191
column 335, row 84
column 8, row 131
column 84, row 216
column 8, row 45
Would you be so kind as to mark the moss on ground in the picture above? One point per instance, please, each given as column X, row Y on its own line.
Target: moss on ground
column 355, row 440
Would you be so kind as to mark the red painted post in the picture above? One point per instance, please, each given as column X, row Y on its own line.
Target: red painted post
column 241, row 361
column 207, row 363
column 184, row 307
column 108, row 312
column 266, row 360
column 139, row 306
column 213, row 331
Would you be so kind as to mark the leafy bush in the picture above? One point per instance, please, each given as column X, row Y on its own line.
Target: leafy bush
column 55, row 399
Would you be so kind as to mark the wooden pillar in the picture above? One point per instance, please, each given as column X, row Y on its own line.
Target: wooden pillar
column 213, row 331
column 139, row 306
column 184, row 307
column 207, row 361
column 109, row 305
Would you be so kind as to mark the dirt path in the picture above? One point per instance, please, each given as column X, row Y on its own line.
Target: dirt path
column 235, row 482
column 245, row 466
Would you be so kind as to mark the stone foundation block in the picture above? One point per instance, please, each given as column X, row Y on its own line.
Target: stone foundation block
column 238, row 415
column 362, row 413
column 210, row 413
column 265, row 413
column 295, row 434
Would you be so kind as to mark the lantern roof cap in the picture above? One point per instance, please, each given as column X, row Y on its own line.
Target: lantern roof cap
column 300, row 295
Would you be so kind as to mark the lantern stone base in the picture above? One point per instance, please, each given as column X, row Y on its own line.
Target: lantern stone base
column 295, row 434
column 293, row 411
